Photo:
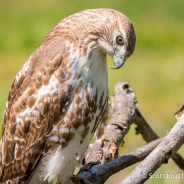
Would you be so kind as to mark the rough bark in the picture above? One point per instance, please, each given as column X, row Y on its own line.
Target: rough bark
column 121, row 115
column 98, row 174
column 148, row 135
column 101, row 160
column 170, row 144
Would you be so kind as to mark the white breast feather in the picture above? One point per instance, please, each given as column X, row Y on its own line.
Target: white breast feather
column 62, row 163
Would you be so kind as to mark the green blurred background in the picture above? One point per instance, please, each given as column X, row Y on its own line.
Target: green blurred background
column 155, row 71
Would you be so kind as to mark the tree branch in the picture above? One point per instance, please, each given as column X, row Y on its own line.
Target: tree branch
column 148, row 135
column 170, row 143
column 121, row 112
column 98, row 165
column 98, row 174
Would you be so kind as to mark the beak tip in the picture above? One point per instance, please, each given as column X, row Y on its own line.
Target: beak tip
column 118, row 64
column 119, row 61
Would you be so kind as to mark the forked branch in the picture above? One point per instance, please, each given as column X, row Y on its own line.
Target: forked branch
column 170, row 144
column 102, row 159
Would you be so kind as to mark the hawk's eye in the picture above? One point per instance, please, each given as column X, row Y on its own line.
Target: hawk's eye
column 119, row 40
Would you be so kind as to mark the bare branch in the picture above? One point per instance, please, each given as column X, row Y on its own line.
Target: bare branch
column 170, row 143
column 148, row 135
column 98, row 174
column 143, row 127
column 122, row 111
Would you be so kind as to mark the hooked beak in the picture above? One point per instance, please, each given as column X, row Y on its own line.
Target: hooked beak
column 119, row 61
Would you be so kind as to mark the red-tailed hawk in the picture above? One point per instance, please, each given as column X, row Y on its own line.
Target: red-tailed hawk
column 57, row 97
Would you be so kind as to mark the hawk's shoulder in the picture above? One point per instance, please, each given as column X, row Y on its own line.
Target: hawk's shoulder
column 31, row 108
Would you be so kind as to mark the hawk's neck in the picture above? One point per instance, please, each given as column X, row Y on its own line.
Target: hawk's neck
column 92, row 68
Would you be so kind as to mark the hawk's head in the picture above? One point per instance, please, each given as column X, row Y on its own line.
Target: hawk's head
column 117, row 37
column 106, row 30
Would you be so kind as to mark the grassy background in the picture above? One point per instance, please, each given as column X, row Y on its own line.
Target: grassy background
column 155, row 71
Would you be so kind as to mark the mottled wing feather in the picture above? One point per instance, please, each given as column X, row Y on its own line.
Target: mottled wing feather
column 30, row 110
column 13, row 93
